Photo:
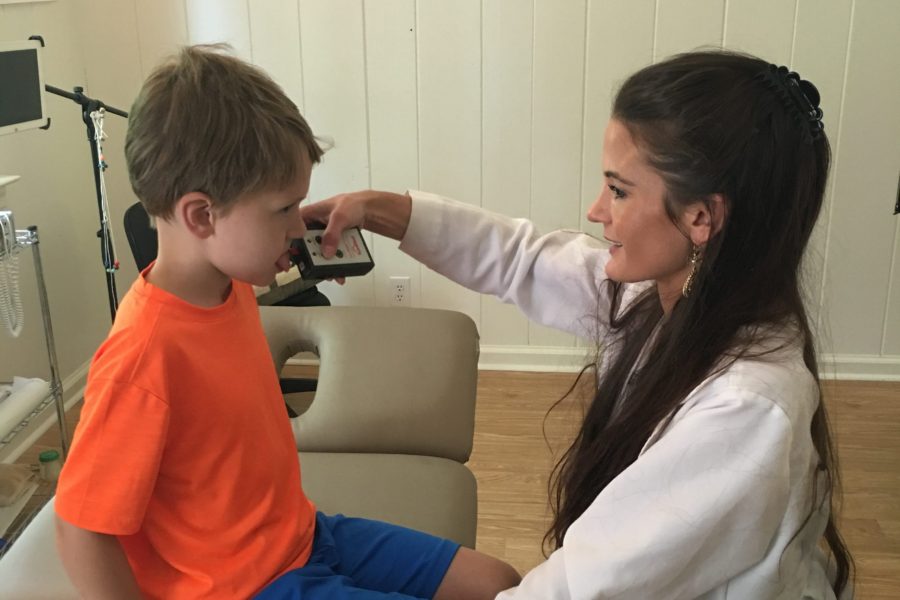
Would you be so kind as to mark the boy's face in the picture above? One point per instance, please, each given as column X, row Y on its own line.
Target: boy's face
column 251, row 240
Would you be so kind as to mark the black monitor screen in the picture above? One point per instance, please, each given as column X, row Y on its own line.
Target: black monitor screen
column 20, row 87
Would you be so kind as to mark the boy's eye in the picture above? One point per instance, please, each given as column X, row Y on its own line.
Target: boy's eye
column 617, row 192
column 288, row 208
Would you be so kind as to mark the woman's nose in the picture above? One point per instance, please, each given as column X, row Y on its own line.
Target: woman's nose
column 599, row 210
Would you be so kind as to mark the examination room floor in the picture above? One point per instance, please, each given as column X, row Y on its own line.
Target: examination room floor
column 512, row 460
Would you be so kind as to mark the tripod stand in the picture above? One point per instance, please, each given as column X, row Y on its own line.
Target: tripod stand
column 92, row 111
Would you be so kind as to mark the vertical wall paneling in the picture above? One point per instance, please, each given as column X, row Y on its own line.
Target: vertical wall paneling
column 891, row 344
column 858, row 261
column 507, row 29
column 500, row 103
column 214, row 21
column 761, row 27
column 162, row 28
column 884, row 19
column 334, row 88
column 449, row 78
column 557, row 122
column 824, row 65
column 390, row 33
column 683, row 25
column 275, row 43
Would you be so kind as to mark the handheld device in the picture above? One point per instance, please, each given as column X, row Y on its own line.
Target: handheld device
column 351, row 259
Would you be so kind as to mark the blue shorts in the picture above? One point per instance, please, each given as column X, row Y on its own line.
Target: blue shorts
column 359, row 559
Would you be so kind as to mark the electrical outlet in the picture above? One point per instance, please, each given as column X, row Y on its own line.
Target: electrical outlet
column 400, row 291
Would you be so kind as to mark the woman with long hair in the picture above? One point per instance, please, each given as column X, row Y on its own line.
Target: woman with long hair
column 704, row 466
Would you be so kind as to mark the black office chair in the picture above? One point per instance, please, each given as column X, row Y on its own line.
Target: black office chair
column 144, row 247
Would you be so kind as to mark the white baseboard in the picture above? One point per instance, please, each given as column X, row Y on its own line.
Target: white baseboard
column 555, row 359
column 860, row 367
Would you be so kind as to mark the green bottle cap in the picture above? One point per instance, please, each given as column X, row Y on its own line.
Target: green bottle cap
column 48, row 456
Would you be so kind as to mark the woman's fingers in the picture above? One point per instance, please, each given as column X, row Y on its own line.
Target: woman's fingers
column 337, row 213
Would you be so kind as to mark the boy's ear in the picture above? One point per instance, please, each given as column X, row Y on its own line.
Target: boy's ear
column 194, row 209
column 704, row 219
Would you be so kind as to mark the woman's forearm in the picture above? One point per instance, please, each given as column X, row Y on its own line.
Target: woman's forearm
column 388, row 214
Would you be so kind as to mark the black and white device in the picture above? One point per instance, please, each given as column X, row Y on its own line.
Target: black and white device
column 351, row 259
column 21, row 87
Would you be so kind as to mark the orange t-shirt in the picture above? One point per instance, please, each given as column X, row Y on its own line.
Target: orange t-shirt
column 184, row 450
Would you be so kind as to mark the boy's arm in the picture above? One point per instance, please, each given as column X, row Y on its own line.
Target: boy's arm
column 95, row 562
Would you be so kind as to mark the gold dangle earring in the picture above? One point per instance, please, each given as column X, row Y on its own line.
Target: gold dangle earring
column 695, row 264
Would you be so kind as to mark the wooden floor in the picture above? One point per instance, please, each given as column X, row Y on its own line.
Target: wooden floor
column 512, row 459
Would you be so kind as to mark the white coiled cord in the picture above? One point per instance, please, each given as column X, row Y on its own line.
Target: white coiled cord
column 11, row 311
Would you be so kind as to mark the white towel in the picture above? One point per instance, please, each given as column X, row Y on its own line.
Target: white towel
column 24, row 397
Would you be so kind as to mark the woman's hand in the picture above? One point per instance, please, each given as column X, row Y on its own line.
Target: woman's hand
column 384, row 213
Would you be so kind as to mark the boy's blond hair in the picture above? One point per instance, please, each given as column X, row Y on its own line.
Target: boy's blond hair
column 205, row 121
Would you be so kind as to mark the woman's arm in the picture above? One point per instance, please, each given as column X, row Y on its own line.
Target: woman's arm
column 95, row 563
column 384, row 213
column 554, row 278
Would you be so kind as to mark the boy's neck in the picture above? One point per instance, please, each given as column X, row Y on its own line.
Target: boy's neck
column 181, row 271
column 203, row 288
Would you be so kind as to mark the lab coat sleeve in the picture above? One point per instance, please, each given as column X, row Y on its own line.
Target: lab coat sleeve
column 699, row 506
column 555, row 279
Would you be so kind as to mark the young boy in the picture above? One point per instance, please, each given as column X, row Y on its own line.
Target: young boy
column 183, row 481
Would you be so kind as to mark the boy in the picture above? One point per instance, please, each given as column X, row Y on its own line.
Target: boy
column 183, row 481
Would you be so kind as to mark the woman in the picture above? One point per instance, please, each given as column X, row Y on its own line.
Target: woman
column 703, row 468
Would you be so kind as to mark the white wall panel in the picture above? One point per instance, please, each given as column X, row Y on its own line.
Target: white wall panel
column 820, row 53
column 761, row 27
column 161, row 29
column 506, row 139
column 449, row 76
column 275, row 43
column 335, row 105
column 390, row 31
column 858, row 263
column 558, row 117
column 683, row 25
column 891, row 346
column 214, row 21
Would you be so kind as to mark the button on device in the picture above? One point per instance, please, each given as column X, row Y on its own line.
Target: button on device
column 318, row 239
column 339, row 253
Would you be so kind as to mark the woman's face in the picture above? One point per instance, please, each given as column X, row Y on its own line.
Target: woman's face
column 646, row 244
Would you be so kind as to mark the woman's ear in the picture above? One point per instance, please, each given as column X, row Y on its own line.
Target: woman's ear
column 194, row 209
column 702, row 220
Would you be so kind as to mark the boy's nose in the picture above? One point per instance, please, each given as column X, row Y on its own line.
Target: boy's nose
column 298, row 229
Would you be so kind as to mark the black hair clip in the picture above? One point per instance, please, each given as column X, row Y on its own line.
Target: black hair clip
column 799, row 96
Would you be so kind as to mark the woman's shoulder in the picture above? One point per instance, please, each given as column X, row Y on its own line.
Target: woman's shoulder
column 771, row 371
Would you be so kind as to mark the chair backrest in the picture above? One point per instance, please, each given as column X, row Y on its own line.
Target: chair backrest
column 141, row 237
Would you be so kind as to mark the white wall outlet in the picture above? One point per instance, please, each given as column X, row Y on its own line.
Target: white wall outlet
column 401, row 294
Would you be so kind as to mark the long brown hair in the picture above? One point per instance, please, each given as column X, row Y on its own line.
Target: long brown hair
column 708, row 125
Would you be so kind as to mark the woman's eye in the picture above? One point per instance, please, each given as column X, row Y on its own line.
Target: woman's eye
column 617, row 192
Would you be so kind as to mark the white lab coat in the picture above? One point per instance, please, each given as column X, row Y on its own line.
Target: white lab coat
column 714, row 506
